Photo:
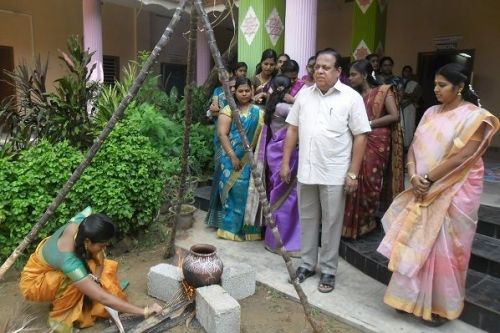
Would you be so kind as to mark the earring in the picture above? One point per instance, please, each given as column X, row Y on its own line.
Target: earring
column 459, row 93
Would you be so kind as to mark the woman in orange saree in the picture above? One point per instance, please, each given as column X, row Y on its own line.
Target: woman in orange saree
column 383, row 160
column 69, row 269
column 430, row 227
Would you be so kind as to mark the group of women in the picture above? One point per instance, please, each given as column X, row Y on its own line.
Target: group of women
column 263, row 103
column 429, row 227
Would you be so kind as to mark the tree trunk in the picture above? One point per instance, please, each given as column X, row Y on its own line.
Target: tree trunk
column 257, row 178
column 117, row 115
column 188, row 115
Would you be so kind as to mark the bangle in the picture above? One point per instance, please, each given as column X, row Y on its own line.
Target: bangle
column 146, row 312
column 413, row 176
column 230, row 151
column 410, row 163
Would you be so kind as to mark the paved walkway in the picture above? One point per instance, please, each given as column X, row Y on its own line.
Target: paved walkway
column 356, row 300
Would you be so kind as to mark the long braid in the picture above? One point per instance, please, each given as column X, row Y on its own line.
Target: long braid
column 281, row 85
column 96, row 228
column 82, row 254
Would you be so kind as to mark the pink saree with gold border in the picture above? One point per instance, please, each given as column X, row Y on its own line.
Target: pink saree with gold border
column 428, row 243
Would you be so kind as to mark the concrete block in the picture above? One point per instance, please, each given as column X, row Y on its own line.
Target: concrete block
column 239, row 280
column 217, row 311
column 164, row 281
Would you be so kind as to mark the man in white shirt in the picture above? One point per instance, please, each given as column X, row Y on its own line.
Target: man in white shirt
column 329, row 121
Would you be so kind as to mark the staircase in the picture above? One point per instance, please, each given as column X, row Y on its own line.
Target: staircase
column 482, row 300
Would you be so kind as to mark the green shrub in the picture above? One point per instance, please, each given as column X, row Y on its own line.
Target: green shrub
column 165, row 135
column 28, row 185
column 201, row 149
column 124, row 181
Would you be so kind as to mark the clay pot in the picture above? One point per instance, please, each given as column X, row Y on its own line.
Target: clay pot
column 202, row 267
column 185, row 219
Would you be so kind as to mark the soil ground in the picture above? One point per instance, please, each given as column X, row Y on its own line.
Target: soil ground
column 268, row 311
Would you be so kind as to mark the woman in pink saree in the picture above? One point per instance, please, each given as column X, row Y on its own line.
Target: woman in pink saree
column 430, row 227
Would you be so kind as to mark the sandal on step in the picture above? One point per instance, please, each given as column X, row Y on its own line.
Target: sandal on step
column 436, row 321
column 326, row 283
column 302, row 274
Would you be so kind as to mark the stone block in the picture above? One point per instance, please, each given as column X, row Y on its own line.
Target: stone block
column 217, row 311
column 164, row 281
column 239, row 280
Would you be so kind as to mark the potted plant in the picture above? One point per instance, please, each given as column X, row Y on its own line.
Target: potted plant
column 185, row 219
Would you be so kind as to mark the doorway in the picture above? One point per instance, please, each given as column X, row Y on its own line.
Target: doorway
column 173, row 75
column 429, row 63
column 6, row 63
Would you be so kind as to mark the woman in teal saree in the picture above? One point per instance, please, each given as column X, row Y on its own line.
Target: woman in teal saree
column 235, row 166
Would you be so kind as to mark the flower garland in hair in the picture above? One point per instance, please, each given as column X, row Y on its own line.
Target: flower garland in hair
column 374, row 76
column 474, row 92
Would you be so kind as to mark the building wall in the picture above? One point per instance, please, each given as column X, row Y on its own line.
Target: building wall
column 42, row 27
column 334, row 26
column 411, row 28
column 119, row 32
column 176, row 50
column 478, row 24
column 48, row 34
column 144, row 31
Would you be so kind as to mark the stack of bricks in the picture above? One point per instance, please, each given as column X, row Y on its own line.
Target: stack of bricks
column 217, row 307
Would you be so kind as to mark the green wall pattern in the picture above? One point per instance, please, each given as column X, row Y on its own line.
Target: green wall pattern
column 251, row 53
column 369, row 27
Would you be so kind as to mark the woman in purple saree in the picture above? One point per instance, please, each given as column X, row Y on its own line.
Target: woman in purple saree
column 282, row 196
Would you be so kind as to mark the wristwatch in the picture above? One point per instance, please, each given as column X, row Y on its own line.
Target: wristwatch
column 352, row 176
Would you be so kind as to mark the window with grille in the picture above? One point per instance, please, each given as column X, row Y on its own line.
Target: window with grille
column 111, row 69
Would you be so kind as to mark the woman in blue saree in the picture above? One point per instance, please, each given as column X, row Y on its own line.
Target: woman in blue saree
column 235, row 165
column 219, row 102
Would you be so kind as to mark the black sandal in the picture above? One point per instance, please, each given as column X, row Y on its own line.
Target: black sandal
column 326, row 283
column 436, row 321
column 302, row 274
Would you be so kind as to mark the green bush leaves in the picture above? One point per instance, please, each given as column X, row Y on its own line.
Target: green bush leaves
column 124, row 181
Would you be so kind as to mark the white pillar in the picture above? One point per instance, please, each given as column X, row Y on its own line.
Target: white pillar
column 300, row 31
column 202, row 57
column 92, row 35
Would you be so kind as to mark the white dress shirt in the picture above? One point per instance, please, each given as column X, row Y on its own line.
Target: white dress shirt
column 326, row 125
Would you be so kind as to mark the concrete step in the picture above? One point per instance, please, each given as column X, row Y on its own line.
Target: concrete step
column 482, row 300
column 485, row 256
column 202, row 197
column 489, row 221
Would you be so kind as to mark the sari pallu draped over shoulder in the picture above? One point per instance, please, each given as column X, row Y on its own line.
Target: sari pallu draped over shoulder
column 238, row 223
column 428, row 243
column 42, row 283
column 282, row 196
column 381, row 172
